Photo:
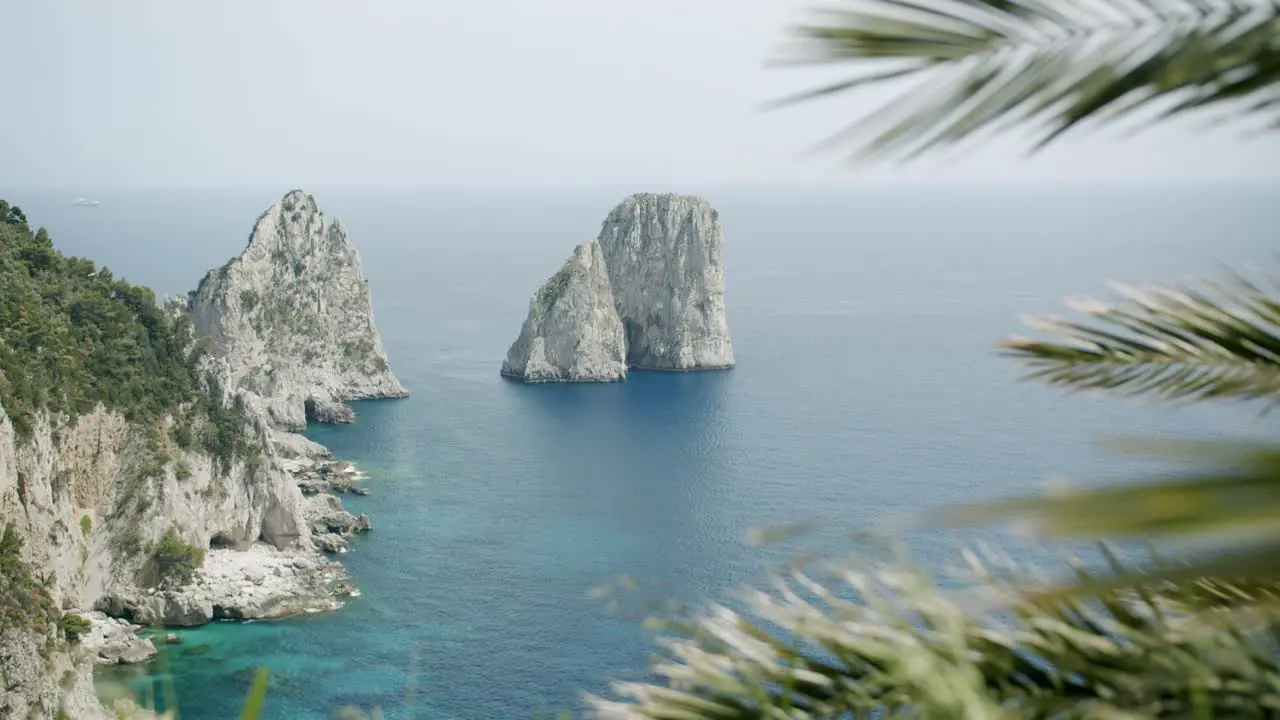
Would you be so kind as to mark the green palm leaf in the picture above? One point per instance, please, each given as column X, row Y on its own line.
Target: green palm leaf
column 257, row 696
column 1222, row 341
column 1223, row 505
column 981, row 65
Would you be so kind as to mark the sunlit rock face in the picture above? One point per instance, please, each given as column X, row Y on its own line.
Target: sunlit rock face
column 572, row 332
column 665, row 257
column 293, row 317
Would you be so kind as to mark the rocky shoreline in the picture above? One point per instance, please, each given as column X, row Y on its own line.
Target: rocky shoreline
column 326, row 476
column 111, row 641
column 259, row 582
column 256, row 582
column 321, row 478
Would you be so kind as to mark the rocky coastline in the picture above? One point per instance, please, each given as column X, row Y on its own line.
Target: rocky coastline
column 112, row 641
column 99, row 507
column 256, row 582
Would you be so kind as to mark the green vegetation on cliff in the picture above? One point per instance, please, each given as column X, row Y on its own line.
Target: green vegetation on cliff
column 73, row 337
column 174, row 562
column 556, row 286
column 24, row 601
column 74, row 627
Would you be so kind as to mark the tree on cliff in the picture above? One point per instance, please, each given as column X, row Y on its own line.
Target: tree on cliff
column 12, row 215
column 1195, row 638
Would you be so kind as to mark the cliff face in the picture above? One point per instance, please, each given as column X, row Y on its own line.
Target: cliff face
column 98, row 488
column 92, row 496
column 665, row 255
column 293, row 318
column 42, row 676
column 572, row 333
column 140, row 475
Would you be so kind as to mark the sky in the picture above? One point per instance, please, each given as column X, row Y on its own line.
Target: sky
column 154, row 93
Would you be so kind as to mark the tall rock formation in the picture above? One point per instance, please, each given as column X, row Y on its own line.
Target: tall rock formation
column 656, row 272
column 572, row 333
column 293, row 318
column 665, row 255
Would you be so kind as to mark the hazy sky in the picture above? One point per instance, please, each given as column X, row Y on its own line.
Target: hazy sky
column 290, row 93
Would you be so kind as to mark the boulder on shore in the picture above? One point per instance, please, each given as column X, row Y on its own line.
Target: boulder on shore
column 111, row 641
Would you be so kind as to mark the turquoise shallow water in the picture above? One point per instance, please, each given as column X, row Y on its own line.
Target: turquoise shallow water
column 863, row 322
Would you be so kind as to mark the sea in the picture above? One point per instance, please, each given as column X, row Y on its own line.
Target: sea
column 868, row 390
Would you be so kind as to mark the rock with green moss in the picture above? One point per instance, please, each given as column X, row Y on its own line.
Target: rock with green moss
column 292, row 317
column 572, row 332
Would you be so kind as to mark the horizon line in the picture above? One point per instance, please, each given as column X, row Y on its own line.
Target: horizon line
column 728, row 184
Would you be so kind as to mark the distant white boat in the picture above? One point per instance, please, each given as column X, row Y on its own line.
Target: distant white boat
column 85, row 202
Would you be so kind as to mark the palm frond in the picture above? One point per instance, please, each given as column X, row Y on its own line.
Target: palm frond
column 986, row 64
column 1223, row 504
column 1219, row 341
column 886, row 642
column 1221, row 486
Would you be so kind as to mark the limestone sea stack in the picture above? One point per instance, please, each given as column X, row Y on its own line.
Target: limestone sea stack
column 572, row 333
column 665, row 255
column 647, row 294
column 292, row 318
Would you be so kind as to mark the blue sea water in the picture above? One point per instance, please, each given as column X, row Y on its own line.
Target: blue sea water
column 863, row 321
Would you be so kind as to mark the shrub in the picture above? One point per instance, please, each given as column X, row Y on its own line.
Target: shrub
column 174, row 562
column 181, row 433
column 24, row 601
column 86, row 524
column 128, row 542
column 73, row 626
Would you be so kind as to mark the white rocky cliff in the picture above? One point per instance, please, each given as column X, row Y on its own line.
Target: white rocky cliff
column 665, row 255
column 293, row 318
column 192, row 508
column 651, row 285
column 91, row 499
column 572, row 332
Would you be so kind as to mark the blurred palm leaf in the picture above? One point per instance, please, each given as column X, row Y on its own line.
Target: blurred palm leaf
column 1219, row 341
column 981, row 65
column 1220, row 488
column 884, row 642
column 257, row 696
column 1224, row 502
